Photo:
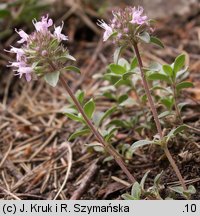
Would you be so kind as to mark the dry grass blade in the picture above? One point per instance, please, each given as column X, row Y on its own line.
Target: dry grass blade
column 6, row 155
column 68, row 168
column 9, row 193
column 86, row 181
column 44, row 144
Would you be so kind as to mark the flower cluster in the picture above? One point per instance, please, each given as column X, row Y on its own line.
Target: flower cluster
column 126, row 25
column 41, row 51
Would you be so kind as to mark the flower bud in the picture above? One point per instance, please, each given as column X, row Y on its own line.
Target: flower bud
column 44, row 53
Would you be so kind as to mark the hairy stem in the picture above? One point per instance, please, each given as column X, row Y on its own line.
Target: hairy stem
column 147, row 91
column 176, row 169
column 178, row 113
column 96, row 133
column 155, row 115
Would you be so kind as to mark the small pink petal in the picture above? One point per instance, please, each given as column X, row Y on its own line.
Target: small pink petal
column 28, row 77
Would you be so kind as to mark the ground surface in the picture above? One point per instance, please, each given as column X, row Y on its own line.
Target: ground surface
column 36, row 160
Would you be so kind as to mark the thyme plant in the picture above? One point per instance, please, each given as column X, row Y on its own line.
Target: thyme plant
column 127, row 29
column 42, row 55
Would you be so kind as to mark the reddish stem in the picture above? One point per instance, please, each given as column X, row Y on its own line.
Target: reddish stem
column 155, row 115
column 96, row 133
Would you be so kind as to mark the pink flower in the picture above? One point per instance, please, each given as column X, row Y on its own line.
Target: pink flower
column 28, row 77
column 23, row 35
column 43, row 25
column 25, row 70
column 36, row 56
column 58, row 34
column 19, row 53
column 108, row 30
column 17, row 64
column 137, row 17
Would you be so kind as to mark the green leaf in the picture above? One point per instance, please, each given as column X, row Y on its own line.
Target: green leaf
column 120, row 82
column 73, row 68
column 158, row 76
column 157, row 179
column 127, row 75
column 52, row 78
column 89, row 108
column 119, row 123
column 122, row 98
column 80, row 96
column 164, row 114
column 181, row 105
column 156, row 41
column 124, row 63
column 183, row 85
column 68, row 110
column 134, row 63
column 70, row 57
column 136, row 191
column 144, row 179
column 168, row 102
column 79, row 133
column 179, row 63
column 186, row 193
column 141, row 143
column 117, row 54
column 177, row 189
column 176, row 131
column 168, row 70
column 96, row 146
column 74, row 117
column 107, row 159
column 107, row 113
column 117, row 69
column 110, row 133
column 179, row 129
column 145, row 37
column 127, row 196
column 191, row 189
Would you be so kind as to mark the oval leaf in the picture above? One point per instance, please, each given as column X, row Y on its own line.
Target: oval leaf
column 164, row 114
column 79, row 133
column 179, row 62
column 117, row 54
column 117, row 69
column 70, row 57
column 134, row 63
column 168, row 70
column 136, row 191
column 74, row 117
column 73, row 68
column 52, row 78
column 176, row 131
column 156, row 41
column 89, row 108
column 141, row 143
column 158, row 76
column 145, row 37
column 107, row 114
column 183, row 85
column 144, row 179
column 127, row 75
